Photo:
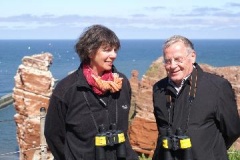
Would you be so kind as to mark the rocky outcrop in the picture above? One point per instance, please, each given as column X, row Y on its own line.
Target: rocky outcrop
column 33, row 87
column 34, row 84
column 143, row 130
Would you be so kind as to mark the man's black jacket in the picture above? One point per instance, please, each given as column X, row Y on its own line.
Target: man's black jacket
column 213, row 123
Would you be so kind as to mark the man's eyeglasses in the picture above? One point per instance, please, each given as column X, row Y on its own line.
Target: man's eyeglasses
column 177, row 60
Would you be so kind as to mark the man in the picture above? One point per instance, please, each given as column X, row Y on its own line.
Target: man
column 195, row 111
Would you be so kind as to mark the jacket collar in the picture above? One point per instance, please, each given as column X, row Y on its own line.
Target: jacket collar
column 186, row 81
column 199, row 71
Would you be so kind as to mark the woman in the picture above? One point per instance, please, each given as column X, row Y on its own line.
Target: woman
column 87, row 118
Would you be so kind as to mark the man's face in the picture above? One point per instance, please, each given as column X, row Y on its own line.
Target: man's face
column 178, row 62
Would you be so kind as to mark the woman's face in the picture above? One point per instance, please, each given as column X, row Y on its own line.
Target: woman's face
column 103, row 59
column 178, row 62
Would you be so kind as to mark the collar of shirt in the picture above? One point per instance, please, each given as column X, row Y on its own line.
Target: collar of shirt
column 178, row 88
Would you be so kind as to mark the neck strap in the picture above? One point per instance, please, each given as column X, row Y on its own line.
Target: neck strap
column 193, row 85
column 93, row 118
column 192, row 94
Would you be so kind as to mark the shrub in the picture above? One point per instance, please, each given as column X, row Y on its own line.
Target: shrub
column 233, row 154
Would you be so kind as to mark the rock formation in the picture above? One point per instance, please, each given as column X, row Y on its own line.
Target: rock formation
column 33, row 87
column 143, row 129
column 34, row 84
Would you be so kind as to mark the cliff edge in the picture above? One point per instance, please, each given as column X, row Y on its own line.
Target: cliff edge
column 34, row 84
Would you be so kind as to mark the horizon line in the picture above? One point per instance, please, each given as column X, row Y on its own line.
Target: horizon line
column 123, row 39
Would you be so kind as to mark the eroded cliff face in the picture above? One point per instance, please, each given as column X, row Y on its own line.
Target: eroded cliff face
column 143, row 130
column 33, row 87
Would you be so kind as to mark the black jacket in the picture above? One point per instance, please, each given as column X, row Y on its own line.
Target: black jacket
column 213, row 123
column 75, row 113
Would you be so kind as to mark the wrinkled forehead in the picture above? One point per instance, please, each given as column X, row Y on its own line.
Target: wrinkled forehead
column 174, row 48
column 177, row 46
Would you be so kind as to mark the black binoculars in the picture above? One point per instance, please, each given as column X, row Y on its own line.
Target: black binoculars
column 110, row 138
column 178, row 142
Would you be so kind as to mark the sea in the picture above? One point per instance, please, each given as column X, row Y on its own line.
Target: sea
column 133, row 55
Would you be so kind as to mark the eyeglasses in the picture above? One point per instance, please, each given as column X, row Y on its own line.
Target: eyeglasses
column 177, row 60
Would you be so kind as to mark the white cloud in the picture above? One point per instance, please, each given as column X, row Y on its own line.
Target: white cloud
column 137, row 20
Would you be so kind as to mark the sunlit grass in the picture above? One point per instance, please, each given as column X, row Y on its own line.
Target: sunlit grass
column 144, row 157
column 232, row 155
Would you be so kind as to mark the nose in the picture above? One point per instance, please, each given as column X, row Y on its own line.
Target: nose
column 113, row 54
column 173, row 64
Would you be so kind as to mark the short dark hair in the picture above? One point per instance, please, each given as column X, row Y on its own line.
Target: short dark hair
column 92, row 39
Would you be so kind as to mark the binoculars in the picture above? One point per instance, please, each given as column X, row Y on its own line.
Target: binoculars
column 177, row 143
column 109, row 138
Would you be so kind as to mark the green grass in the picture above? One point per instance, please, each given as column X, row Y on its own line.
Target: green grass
column 232, row 155
column 143, row 157
column 152, row 70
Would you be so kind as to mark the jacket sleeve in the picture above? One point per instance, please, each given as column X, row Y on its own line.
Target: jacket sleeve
column 131, row 154
column 227, row 114
column 55, row 128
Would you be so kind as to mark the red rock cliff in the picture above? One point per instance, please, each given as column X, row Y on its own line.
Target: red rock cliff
column 33, row 87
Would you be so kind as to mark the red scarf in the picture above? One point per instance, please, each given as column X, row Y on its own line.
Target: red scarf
column 100, row 85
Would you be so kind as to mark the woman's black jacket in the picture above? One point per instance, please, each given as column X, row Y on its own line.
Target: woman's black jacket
column 211, row 121
column 75, row 113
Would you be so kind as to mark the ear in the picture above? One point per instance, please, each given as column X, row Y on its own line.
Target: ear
column 193, row 57
column 90, row 56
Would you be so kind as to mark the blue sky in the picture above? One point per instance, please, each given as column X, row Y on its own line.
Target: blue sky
column 129, row 19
